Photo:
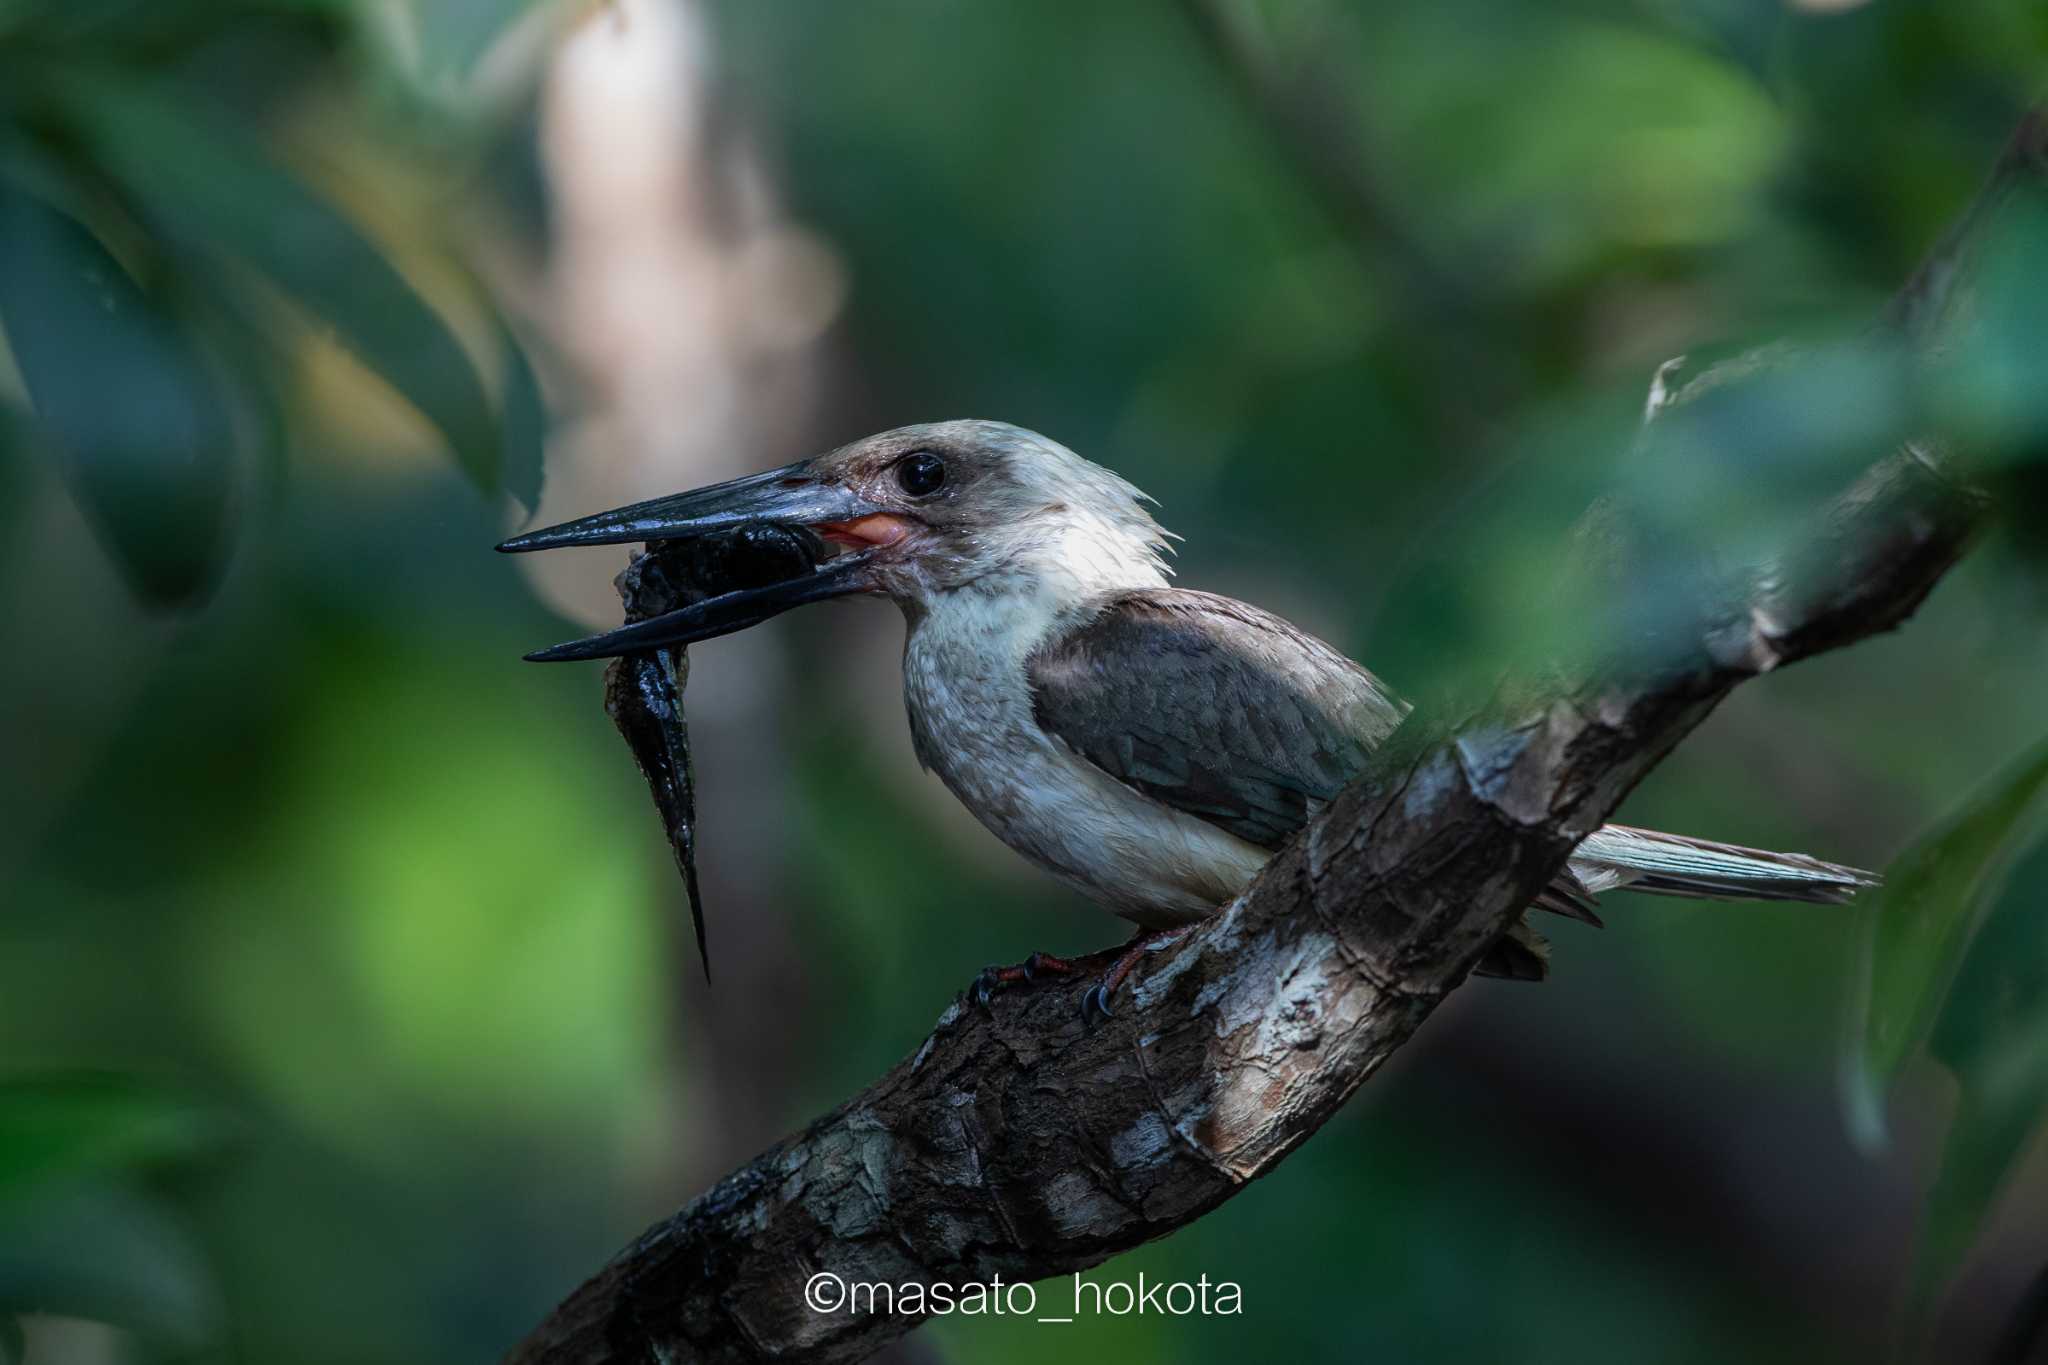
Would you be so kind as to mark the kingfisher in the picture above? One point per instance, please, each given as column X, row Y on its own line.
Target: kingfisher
column 1150, row 746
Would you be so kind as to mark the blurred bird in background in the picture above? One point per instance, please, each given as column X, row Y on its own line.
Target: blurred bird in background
column 1150, row 746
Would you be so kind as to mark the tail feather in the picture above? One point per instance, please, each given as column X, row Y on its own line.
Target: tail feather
column 1617, row 856
column 1569, row 897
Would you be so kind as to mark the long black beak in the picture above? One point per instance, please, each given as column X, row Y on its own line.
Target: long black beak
column 789, row 494
column 721, row 615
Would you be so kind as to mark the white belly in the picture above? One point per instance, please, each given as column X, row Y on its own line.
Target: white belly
column 970, row 715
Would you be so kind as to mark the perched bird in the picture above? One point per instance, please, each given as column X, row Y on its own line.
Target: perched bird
column 1148, row 745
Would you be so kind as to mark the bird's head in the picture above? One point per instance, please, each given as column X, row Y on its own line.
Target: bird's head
column 920, row 511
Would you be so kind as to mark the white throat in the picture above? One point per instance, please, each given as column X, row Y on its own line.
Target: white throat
column 966, row 679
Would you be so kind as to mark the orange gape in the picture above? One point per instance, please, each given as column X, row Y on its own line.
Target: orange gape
column 879, row 529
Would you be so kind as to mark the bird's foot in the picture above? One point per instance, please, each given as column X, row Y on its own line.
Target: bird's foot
column 1095, row 1004
column 992, row 979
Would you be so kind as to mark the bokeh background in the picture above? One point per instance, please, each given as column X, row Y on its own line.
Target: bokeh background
column 348, row 1011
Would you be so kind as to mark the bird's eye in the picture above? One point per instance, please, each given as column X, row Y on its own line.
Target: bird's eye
column 920, row 473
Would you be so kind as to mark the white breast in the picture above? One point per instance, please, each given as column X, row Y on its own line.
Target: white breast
column 970, row 715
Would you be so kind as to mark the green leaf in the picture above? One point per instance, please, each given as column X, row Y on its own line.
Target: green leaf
column 214, row 304
column 525, row 419
column 1992, row 1035
column 213, row 188
column 121, row 397
column 1933, row 898
column 1992, row 395
column 77, row 1236
column 15, row 441
column 453, row 35
column 111, row 1255
column 60, row 1126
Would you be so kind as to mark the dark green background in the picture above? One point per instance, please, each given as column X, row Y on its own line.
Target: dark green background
column 347, row 1009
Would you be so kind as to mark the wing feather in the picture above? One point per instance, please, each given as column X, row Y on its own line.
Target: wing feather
column 1213, row 707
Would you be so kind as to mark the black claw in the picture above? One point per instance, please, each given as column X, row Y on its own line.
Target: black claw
column 1095, row 1005
column 1033, row 965
column 983, row 988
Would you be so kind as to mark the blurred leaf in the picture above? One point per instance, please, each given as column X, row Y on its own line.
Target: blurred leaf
column 65, row 1125
column 121, row 397
column 247, row 327
column 1992, row 1035
column 525, row 422
column 126, row 26
column 13, row 1349
column 218, row 192
column 14, row 446
column 1934, row 895
column 451, row 36
column 1992, row 386
column 255, row 371
column 1747, row 447
column 107, row 1255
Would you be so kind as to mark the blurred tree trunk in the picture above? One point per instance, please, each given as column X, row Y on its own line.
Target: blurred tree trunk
column 690, row 310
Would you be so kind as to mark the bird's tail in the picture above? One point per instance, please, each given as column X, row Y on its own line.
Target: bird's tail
column 1617, row 856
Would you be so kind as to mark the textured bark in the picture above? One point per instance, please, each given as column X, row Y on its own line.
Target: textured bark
column 1017, row 1143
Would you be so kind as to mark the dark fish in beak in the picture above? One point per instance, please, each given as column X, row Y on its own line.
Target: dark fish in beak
column 789, row 497
column 718, row 560
column 644, row 689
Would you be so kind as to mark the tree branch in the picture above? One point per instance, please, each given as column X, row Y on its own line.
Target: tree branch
column 1018, row 1144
